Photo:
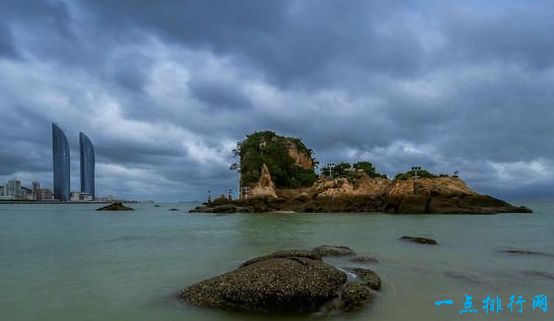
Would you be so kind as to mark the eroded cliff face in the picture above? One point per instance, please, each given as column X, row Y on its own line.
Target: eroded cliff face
column 342, row 187
column 301, row 158
column 374, row 187
column 265, row 186
column 446, row 186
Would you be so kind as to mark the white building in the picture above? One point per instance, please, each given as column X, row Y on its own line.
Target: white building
column 79, row 197
column 13, row 188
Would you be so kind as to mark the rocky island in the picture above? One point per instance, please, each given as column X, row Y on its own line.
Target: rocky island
column 277, row 174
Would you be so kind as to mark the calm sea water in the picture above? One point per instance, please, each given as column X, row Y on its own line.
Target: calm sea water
column 69, row 262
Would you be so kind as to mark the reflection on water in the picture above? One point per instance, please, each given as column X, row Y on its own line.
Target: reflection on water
column 68, row 262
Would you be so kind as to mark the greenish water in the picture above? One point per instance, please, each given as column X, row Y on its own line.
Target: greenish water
column 69, row 262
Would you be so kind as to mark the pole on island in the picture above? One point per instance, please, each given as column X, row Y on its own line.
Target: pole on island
column 331, row 166
column 415, row 169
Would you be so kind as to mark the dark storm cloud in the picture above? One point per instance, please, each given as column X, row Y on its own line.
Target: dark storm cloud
column 220, row 95
column 165, row 88
column 6, row 43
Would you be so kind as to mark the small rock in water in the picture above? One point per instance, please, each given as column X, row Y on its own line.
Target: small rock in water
column 540, row 274
column 526, row 252
column 115, row 206
column 464, row 277
column 354, row 296
column 333, row 250
column 173, row 209
column 364, row 259
column 367, row 277
column 420, row 240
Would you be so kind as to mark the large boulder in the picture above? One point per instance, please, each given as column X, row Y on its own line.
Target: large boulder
column 275, row 284
column 285, row 281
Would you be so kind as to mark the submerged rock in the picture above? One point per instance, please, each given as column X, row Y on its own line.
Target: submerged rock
column 115, row 206
column 173, row 209
column 354, row 296
column 364, row 259
column 464, row 277
column 420, row 240
column 539, row 274
column 367, row 277
column 284, row 254
column 333, row 250
column 526, row 252
column 284, row 281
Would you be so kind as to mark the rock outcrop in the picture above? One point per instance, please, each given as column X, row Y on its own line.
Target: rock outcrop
column 420, row 240
column 265, row 186
column 115, row 206
column 285, row 281
column 301, row 158
column 333, row 250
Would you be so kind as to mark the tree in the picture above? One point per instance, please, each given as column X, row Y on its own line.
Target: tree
column 268, row 148
column 421, row 173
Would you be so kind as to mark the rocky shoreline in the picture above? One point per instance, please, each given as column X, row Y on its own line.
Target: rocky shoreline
column 407, row 204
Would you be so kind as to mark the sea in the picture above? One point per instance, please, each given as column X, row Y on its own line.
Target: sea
column 69, row 262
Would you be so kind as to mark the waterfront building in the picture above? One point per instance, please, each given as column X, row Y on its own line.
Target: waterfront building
column 80, row 197
column 35, row 186
column 26, row 194
column 87, row 165
column 45, row 194
column 13, row 188
column 2, row 190
column 61, row 164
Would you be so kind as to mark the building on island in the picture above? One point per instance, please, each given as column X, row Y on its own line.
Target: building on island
column 87, row 165
column 61, row 164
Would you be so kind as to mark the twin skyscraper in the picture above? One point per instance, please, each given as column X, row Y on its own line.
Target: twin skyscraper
column 62, row 164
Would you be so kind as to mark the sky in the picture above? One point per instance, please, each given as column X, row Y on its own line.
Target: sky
column 165, row 89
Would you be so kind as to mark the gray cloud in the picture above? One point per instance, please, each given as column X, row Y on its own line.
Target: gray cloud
column 164, row 89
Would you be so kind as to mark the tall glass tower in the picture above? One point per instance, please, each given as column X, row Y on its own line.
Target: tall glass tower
column 87, row 165
column 61, row 162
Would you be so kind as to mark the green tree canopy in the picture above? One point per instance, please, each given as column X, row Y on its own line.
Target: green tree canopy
column 268, row 148
column 410, row 174
column 345, row 169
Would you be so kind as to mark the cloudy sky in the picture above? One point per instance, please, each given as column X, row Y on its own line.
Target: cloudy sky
column 164, row 89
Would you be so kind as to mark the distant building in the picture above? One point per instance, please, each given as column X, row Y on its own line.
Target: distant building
column 87, row 165
column 13, row 188
column 2, row 190
column 45, row 194
column 61, row 164
column 78, row 197
column 35, row 186
column 26, row 193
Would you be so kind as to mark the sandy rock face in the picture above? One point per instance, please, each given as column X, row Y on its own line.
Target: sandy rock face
column 265, row 186
column 446, row 186
column 301, row 159
column 342, row 187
